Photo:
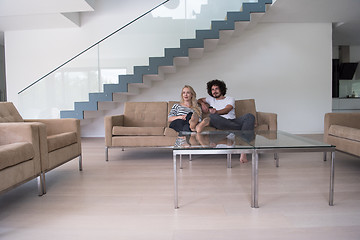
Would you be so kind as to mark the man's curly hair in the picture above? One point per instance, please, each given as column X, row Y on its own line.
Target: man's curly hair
column 218, row 83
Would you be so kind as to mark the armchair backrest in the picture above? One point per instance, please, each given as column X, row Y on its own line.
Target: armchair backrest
column 9, row 113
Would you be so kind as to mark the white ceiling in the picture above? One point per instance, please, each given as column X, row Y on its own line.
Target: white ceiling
column 42, row 14
column 344, row 14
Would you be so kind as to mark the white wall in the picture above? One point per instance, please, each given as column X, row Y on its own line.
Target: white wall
column 355, row 53
column 33, row 53
column 285, row 67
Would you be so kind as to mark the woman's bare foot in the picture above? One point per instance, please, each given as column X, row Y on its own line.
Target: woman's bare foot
column 194, row 120
column 243, row 158
column 200, row 127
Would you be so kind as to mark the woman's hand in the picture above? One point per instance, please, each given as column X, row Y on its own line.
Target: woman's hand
column 183, row 117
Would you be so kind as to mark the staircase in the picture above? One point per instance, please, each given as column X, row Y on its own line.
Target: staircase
column 158, row 67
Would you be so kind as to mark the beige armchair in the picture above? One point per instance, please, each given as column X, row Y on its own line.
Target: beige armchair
column 342, row 129
column 19, row 155
column 59, row 139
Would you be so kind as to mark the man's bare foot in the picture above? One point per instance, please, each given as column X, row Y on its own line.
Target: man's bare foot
column 243, row 158
column 200, row 127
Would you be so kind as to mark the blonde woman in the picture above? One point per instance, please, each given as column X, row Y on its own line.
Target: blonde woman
column 187, row 114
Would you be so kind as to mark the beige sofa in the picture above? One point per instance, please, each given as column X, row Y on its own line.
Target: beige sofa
column 343, row 131
column 59, row 139
column 144, row 124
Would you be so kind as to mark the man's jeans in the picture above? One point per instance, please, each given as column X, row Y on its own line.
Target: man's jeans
column 245, row 122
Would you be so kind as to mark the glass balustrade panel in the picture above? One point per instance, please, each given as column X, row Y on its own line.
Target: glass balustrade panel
column 117, row 55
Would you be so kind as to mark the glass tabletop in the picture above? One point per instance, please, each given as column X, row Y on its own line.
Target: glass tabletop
column 232, row 139
column 281, row 139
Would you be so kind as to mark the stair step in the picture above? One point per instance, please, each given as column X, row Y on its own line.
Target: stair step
column 147, row 83
column 181, row 61
column 210, row 44
column 167, row 69
column 153, row 77
column 225, row 36
column 93, row 114
column 119, row 97
column 196, row 53
column 255, row 17
column 104, row 106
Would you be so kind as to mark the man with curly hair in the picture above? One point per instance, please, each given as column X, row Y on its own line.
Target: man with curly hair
column 222, row 111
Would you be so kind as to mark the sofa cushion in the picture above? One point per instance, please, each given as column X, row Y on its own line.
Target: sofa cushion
column 345, row 132
column 137, row 131
column 145, row 114
column 15, row 153
column 61, row 140
column 144, row 141
column 169, row 132
column 8, row 113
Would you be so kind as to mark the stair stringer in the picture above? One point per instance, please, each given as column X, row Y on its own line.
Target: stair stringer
column 205, row 40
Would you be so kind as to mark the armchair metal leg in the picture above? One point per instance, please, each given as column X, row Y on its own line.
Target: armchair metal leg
column 80, row 163
column 106, row 154
column 41, row 184
column 325, row 156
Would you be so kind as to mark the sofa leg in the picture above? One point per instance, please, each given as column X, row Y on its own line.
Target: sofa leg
column 41, row 184
column 106, row 154
column 276, row 158
column 80, row 163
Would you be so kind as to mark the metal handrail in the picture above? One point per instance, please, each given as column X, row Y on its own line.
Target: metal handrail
column 95, row 44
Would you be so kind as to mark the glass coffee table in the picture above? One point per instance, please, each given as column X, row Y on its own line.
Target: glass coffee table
column 252, row 142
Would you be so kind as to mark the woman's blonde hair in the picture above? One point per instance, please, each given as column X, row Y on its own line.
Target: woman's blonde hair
column 194, row 104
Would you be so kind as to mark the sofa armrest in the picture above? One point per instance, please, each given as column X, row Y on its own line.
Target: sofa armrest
column 109, row 123
column 267, row 118
column 346, row 119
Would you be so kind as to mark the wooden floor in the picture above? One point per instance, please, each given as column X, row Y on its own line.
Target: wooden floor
column 131, row 197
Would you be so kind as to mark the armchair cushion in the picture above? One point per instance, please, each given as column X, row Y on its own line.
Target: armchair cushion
column 61, row 140
column 15, row 153
column 345, row 132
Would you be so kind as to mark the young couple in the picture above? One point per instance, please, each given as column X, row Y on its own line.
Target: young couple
column 186, row 116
